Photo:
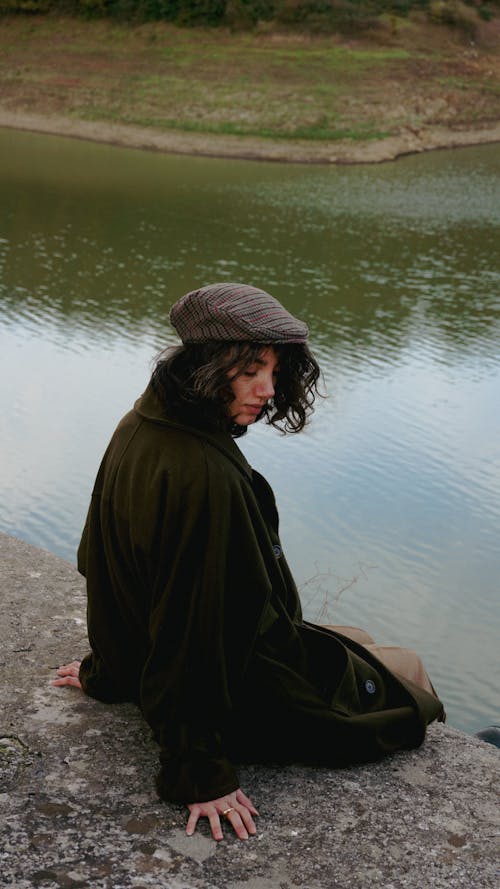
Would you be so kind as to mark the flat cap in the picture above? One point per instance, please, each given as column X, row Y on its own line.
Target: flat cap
column 234, row 312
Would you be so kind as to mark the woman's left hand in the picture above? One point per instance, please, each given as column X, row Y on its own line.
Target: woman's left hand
column 236, row 807
column 69, row 675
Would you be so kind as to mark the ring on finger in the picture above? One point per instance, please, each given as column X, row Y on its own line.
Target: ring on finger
column 227, row 811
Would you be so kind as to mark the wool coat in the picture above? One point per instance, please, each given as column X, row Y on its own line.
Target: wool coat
column 193, row 615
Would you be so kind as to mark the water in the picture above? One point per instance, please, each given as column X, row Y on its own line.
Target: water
column 390, row 500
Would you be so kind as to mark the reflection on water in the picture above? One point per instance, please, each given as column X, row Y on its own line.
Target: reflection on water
column 390, row 500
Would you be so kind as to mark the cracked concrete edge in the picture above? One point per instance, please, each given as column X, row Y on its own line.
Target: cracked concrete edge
column 79, row 806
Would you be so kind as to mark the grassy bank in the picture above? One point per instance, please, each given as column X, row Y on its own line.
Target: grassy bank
column 405, row 76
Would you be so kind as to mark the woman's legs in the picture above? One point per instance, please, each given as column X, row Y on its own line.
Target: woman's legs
column 399, row 660
column 354, row 633
column 405, row 662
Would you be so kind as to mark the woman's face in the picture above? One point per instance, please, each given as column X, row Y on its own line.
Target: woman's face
column 253, row 388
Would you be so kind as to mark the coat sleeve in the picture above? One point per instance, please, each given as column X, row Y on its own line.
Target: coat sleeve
column 197, row 544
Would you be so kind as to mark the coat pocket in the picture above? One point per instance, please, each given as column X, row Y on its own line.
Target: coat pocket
column 365, row 685
column 350, row 684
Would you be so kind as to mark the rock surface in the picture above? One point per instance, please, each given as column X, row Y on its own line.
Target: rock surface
column 79, row 807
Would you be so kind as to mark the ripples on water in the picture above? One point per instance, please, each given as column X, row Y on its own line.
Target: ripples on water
column 390, row 499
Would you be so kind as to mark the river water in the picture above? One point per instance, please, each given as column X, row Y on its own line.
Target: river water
column 390, row 500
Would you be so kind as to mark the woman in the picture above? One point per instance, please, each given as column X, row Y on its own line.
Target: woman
column 192, row 610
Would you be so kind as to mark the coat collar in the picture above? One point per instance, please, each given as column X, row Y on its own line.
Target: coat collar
column 149, row 408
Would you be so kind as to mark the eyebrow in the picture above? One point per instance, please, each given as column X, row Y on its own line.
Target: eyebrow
column 263, row 363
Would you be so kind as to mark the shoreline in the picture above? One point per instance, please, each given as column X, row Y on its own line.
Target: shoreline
column 409, row 141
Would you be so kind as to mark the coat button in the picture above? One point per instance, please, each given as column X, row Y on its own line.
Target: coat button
column 370, row 686
column 277, row 550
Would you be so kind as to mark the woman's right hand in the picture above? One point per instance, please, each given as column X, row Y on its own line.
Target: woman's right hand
column 69, row 675
column 236, row 807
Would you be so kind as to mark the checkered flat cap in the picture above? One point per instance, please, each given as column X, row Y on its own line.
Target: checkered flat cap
column 234, row 312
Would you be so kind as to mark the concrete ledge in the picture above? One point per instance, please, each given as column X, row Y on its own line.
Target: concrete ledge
column 79, row 807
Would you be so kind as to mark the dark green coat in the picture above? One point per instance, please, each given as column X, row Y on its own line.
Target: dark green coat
column 193, row 614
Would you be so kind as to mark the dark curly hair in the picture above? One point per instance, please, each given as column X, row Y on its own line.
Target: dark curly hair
column 192, row 383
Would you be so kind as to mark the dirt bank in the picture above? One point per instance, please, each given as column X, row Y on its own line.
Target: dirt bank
column 407, row 87
column 248, row 147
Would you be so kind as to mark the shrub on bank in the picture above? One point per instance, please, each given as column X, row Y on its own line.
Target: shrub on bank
column 457, row 12
column 345, row 16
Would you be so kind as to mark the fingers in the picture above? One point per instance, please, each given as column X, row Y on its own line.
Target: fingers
column 67, row 680
column 236, row 808
column 192, row 821
column 209, row 811
column 242, row 822
column 71, row 669
column 215, row 827
column 239, row 819
column 245, row 801
column 69, row 675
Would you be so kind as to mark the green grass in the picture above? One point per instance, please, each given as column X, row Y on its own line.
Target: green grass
column 471, row 84
column 314, row 132
column 268, row 86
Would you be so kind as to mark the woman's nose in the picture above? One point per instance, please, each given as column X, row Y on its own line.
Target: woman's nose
column 266, row 386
